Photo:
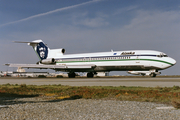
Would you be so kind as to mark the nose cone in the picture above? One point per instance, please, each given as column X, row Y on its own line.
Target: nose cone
column 173, row 61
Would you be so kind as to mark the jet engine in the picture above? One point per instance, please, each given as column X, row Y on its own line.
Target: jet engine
column 48, row 61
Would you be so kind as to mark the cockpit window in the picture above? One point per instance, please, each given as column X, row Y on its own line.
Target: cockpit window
column 162, row 56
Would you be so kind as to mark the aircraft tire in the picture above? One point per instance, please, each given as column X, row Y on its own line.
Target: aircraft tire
column 71, row 75
column 90, row 75
column 152, row 75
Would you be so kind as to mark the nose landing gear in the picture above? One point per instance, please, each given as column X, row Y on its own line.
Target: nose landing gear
column 154, row 73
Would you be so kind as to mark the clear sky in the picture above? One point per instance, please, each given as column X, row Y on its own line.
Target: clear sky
column 82, row 26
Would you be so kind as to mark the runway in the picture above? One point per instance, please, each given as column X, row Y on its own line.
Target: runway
column 144, row 82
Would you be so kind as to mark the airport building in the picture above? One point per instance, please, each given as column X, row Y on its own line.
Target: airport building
column 30, row 74
column 21, row 73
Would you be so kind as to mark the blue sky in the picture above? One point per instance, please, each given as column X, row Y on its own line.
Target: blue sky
column 82, row 26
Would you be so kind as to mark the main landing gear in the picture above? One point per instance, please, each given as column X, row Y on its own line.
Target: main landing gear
column 73, row 75
column 90, row 75
column 152, row 75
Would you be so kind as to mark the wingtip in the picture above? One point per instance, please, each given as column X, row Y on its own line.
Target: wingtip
column 7, row 64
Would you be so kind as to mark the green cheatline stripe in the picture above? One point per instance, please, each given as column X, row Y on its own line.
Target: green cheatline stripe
column 157, row 61
column 117, row 60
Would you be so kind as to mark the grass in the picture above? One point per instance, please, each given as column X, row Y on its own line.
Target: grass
column 166, row 95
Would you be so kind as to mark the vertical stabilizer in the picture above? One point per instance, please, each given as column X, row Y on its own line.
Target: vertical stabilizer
column 40, row 48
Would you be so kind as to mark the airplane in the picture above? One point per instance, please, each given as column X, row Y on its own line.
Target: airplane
column 130, row 60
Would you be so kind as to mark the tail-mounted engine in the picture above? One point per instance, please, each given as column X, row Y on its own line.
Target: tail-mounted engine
column 48, row 61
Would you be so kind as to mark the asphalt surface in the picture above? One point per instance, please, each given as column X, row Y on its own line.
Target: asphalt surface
column 144, row 82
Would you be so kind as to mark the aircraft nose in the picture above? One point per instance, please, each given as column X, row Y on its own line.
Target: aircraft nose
column 173, row 61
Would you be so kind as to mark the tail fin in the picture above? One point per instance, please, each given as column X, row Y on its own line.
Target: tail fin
column 39, row 47
column 42, row 50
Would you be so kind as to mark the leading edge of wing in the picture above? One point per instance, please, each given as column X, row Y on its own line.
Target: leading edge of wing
column 87, row 66
column 32, row 42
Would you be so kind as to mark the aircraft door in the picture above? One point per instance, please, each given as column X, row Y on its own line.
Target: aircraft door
column 138, row 58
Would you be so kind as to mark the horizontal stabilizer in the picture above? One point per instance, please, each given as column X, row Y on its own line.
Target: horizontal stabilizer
column 25, row 42
column 32, row 43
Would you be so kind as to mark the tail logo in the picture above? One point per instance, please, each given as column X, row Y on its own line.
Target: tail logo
column 42, row 51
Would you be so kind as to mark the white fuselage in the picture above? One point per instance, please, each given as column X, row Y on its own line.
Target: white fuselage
column 119, row 60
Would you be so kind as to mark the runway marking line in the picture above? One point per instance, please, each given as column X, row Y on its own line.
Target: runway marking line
column 163, row 108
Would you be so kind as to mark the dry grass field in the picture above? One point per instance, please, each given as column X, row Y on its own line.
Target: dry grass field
column 166, row 95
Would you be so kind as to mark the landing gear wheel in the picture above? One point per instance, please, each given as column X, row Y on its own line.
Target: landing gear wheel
column 90, row 75
column 152, row 75
column 71, row 75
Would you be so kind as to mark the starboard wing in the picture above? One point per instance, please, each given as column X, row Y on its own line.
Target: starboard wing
column 59, row 67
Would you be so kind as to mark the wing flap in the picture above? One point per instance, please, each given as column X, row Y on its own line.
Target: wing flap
column 35, row 66
column 88, row 66
column 80, row 66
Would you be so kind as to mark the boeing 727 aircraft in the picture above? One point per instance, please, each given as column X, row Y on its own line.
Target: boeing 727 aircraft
column 132, row 60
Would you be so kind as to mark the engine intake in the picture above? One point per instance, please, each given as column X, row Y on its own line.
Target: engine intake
column 63, row 51
column 48, row 61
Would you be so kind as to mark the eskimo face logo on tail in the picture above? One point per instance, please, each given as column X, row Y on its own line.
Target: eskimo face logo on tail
column 42, row 50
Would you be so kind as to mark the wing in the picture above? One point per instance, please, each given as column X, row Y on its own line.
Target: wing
column 55, row 67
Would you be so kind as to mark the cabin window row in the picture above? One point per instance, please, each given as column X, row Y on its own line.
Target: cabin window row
column 89, row 59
